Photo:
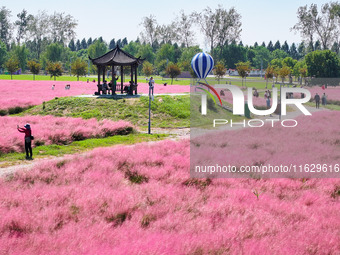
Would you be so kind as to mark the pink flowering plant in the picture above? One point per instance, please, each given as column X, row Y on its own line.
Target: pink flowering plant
column 141, row 200
column 56, row 130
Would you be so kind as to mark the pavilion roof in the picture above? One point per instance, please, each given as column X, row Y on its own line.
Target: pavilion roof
column 117, row 57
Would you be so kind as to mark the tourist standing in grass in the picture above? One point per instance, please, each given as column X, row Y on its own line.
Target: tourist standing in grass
column 317, row 100
column 324, row 99
column 114, row 84
column 152, row 84
column 28, row 139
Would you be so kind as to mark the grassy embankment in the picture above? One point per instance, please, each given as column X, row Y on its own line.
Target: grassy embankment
column 167, row 111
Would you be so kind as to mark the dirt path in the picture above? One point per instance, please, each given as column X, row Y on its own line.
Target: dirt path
column 174, row 133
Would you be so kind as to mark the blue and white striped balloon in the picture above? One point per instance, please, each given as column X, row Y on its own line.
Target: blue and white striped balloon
column 202, row 63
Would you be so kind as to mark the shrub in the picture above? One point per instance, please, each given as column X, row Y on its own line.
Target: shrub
column 3, row 112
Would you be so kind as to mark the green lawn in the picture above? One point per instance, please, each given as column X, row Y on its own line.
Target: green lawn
column 42, row 77
column 334, row 107
column 167, row 111
column 78, row 147
column 214, row 111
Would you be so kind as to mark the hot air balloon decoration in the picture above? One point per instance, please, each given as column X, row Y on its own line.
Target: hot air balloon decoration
column 202, row 64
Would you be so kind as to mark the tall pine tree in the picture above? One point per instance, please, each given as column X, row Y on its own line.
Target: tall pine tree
column 112, row 44
column 83, row 44
column 317, row 45
column 270, row 46
column 277, row 45
column 301, row 50
column 89, row 41
column 293, row 51
column 124, row 42
column 335, row 47
column 78, row 45
column 285, row 47
column 72, row 46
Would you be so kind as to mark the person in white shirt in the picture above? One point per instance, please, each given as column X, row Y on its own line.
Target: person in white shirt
column 152, row 84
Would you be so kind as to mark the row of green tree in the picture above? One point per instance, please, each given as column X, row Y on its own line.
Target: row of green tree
column 55, row 69
column 319, row 64
column 47, row 39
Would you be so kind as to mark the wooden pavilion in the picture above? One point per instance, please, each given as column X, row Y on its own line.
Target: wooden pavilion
column 117, row 58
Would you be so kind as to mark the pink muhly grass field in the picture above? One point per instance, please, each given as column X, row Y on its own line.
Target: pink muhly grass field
column 315, row 140
column 140, row 200
column 56, row 130
column 332, row 93
column 28, row 93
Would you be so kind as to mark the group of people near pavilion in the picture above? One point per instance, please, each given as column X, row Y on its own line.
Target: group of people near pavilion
column 106, row 88
column 111, row 86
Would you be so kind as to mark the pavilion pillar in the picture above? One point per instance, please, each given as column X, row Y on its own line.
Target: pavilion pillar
column 112, row 70
column 98, row 85
column 104, row 73
column 136, row 78
column 121, row 76
column 132, row 74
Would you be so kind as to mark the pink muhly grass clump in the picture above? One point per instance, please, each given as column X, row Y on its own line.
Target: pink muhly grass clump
column 56, row 130
column 140, row 199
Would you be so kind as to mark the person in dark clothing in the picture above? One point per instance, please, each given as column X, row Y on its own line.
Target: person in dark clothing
column 28, row 139
column 324, row 99
column 317, row 100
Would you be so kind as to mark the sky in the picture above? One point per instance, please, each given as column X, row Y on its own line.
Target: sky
column 262, row 20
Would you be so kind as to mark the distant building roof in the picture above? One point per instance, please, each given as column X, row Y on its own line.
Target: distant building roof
column 117, row 57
